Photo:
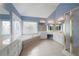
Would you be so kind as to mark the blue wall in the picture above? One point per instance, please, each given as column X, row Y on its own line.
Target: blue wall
column 10, row 8
column 76, row 28
column 52, row 16
column 28, row 18
column 4, row 17
column 62, row 8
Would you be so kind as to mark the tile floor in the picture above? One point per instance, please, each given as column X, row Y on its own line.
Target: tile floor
column 43, row 47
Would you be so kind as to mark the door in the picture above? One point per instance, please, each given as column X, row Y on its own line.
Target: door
column 67, row 31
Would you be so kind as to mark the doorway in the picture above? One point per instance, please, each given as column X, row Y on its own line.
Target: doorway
column 67, row 31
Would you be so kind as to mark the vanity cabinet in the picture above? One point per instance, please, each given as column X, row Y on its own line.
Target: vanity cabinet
column 3, row 52
column 59, row 37
column 12, row 49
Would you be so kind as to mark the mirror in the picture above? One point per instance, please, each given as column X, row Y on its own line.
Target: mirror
column 50, row 27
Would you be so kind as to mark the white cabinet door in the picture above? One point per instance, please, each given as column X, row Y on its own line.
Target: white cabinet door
column 43, row 35
column 13, row 49
column 3, row 52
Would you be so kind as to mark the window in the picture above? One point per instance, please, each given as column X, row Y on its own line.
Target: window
column 16, row 27
column 5, row 27
column 30, row 27
column 5, row 32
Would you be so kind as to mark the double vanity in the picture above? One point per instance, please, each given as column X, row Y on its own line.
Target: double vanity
column 53, row 35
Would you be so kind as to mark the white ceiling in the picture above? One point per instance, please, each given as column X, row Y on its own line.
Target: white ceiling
column 42, row 10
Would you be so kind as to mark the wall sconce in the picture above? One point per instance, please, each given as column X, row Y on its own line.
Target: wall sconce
column 51, row 22
column 61, row 19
